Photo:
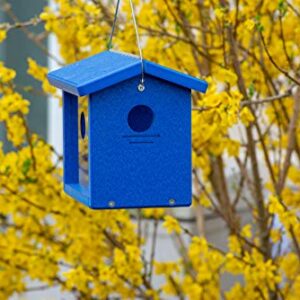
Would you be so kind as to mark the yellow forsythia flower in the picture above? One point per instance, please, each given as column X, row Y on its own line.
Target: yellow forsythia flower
column 246, row 231
column 40, row 74
column 275, row 235
column 234, row 244
column 156, row 213
column 2, row 35
column 204, row 201
column 171, row 225
column 219, row 13
column 290, row 265
column 249, row 24
column 275, row 206
column 246, row 116
column 166, row 268
column 225, row 75
column 6, row 75
column 233, row 148
column 44, row 16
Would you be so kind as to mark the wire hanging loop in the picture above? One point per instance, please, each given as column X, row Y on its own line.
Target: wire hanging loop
column 141, row 86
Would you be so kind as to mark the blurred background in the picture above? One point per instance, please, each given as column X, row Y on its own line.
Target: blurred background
column 15, row 51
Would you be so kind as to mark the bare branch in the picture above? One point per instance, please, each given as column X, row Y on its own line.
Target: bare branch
column 280, row 69
column 291, row 142
column 252, row 102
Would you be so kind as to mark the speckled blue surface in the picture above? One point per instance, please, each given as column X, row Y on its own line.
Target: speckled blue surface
column 107, row 68
column 144, row 169
column 128, row 168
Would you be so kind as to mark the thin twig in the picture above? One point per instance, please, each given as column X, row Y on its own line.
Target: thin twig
column 280, row 69
column 291, row 141
column 154, row 240
column 252, row 102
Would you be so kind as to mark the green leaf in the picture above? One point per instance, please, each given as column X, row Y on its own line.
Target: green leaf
column 7, row 170
column 257, row 18
column 29, row 180
column 26, row 166
column 251, row 90
column 260, row 27
column 282, row 7
column 177, row 28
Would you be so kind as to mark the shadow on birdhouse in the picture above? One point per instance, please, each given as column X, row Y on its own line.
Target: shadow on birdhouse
column 126, row 147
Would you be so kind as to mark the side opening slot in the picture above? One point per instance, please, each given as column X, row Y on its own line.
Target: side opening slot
column 83, row 141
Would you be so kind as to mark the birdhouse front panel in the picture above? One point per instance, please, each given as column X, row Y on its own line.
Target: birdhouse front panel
column 140, row 145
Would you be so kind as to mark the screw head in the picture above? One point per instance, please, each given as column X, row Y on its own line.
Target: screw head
column 141, row 87
column 111, row 204
column 172, row 202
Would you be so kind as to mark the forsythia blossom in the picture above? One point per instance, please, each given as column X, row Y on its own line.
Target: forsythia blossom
column 2, row 35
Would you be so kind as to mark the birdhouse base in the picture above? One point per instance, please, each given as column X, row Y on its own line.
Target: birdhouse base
column 81, row 193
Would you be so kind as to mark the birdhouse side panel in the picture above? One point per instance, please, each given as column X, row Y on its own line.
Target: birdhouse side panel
column 70, row 138
column 72, row 184
column 140, row 145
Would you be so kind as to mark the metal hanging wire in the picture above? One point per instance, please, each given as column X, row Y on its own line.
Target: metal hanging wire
column 110, row 45
column 141, row 86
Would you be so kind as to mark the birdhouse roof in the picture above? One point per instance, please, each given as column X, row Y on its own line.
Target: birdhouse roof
column 110, row 67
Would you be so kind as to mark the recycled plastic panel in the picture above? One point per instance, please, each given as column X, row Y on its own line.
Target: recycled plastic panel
column 72, row 183
column 142, row 166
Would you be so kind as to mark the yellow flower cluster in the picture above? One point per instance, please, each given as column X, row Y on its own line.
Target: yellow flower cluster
column 13, row 107
column 2, row 35
column 40, row 74
column 287, row 216
column 80, row 24
column 7, row 75
column 12, row 104
column 246, row 116
column 172, row 225
column 156, row 213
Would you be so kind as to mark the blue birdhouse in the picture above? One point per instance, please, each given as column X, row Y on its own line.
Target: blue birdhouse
column 137, row 141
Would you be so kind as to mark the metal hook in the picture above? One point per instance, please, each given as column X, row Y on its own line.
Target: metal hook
column 141, row 86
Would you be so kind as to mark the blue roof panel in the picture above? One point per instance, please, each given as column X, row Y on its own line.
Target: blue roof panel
column 107, row 68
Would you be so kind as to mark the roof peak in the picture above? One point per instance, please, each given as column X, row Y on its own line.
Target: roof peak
column 123, row 53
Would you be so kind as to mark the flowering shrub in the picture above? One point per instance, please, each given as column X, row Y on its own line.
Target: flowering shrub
column 249, row 52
